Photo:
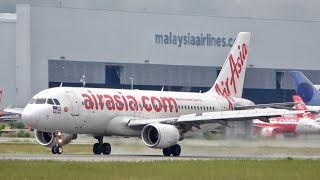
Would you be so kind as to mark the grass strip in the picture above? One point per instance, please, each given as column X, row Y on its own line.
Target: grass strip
column 218, row 169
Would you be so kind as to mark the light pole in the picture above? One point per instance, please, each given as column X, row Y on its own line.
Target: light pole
column 131, row 78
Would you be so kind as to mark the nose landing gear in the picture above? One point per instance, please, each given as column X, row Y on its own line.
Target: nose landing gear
column 100, row 147
column 57, row 149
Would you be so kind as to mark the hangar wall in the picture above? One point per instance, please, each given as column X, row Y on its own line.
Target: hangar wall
column 8, row 64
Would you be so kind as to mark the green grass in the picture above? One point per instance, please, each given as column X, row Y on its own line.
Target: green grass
column 218, row 169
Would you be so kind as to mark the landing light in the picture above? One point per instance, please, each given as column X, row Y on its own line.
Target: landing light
column 59, row 141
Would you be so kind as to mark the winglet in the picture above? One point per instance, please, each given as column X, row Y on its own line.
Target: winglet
column 0, row 96
column 231, row 78
column 301, row 106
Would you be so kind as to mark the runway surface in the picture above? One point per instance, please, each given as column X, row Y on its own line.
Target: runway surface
column 139, row 158
column 133, row 150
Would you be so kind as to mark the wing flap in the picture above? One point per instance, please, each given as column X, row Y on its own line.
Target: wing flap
column 238, row 115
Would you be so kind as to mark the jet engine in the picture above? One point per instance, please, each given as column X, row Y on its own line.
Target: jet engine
column 51, row 139
column 268, row 132
column 160, row 136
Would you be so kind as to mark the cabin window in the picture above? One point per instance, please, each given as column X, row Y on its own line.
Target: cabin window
column 50, row 101
column 56, row 101
column 41, row 101
column 32, row 101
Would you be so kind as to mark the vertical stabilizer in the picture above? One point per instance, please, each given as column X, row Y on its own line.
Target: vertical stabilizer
column 305, row 89
column 231, row 78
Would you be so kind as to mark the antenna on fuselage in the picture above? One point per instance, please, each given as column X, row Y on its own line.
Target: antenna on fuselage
column 83, row 80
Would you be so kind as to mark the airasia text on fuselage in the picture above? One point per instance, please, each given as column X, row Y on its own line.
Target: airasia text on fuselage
column 122, row 102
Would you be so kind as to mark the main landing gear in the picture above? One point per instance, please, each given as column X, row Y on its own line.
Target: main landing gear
column 100, row 147
column 174, row 150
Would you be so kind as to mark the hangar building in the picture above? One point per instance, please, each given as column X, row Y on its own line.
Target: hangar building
column 121, row 43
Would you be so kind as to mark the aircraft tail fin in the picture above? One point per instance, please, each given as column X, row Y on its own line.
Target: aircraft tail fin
column 301, row 106
column 305, row 89
column 230, row 80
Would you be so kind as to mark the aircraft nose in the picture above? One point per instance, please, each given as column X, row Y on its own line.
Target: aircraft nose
column 28, row 117
column 33, row 115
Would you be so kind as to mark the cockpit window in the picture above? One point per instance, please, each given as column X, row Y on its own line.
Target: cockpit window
column 32, row 101
column 56, row 101
column 41, row 101
column 50, row 101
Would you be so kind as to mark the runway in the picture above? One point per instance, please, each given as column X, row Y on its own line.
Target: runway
column 139, row 158
column 133, row 150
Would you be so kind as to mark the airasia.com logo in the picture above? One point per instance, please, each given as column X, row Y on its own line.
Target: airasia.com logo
column 125, row 102
column 225, row 87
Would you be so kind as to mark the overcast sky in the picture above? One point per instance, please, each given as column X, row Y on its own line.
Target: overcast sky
column 273, row 9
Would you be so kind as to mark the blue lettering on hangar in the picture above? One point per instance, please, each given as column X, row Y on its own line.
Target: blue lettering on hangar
column 202, row 39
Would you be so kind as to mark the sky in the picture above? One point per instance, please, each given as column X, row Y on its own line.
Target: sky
column 271, row 9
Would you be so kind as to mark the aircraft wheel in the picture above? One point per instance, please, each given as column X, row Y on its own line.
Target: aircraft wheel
column 60, row 149
column 53, row 151
column 57, row 150
column 106, row 148
column 166, row 151
column 96, row 148
column 175, row 150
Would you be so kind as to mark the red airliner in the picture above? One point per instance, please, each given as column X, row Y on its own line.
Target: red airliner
column 301, row 124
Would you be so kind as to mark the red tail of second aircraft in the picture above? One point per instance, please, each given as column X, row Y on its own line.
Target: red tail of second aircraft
column 301, row 106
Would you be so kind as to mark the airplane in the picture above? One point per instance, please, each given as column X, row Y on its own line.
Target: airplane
column 306, row 90
column 160, row 118
column 7, row 116
column 304, row 123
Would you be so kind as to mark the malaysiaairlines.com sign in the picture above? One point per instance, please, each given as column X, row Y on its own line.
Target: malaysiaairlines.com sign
column 202, row 39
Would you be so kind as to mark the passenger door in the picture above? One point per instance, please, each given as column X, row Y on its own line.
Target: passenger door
column 74, row 103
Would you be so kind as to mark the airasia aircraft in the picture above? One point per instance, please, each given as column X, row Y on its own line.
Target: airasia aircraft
column 301, row 124
column 160, row 118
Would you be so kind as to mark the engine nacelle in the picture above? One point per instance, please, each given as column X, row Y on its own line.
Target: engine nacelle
column 49, row 139
column 268, row 132
column 160, row 136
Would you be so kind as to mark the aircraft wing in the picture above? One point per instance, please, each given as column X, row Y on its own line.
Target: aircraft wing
column 285, row 105
column 218, row 117
column 13, row 110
